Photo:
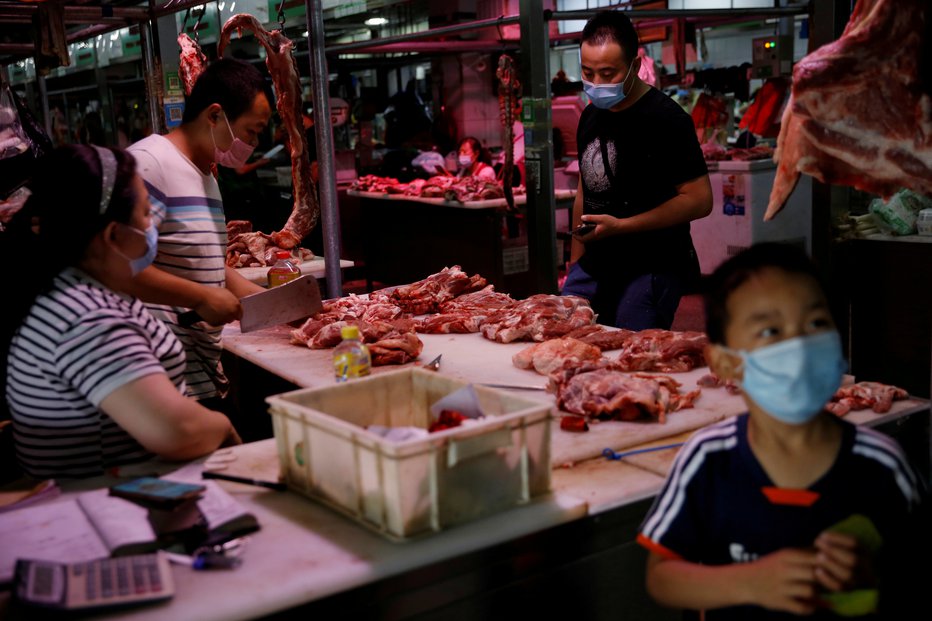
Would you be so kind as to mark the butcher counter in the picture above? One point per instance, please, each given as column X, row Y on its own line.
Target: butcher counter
column 571, row 553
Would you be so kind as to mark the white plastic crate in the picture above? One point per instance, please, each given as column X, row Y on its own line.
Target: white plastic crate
column 403, row 489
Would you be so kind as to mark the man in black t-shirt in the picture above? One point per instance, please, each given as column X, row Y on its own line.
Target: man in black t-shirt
column 642, row 180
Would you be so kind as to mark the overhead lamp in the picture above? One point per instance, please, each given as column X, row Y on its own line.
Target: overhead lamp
column 376, row 21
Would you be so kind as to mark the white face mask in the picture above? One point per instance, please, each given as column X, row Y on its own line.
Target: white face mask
column 465, row 161
column 238, row 153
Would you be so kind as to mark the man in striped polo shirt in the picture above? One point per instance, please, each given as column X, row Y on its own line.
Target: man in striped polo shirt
column 224, row 115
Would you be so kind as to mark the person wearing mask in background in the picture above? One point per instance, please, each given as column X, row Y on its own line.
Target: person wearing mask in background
column 93, row 379
column 224, row 116
column 471, row 161
column 786, row 508
column 642, row 180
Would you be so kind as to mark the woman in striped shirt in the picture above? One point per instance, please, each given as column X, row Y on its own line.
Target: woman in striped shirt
column 93, row 380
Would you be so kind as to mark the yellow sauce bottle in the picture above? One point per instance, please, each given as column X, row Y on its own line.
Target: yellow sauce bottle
column 351, row 357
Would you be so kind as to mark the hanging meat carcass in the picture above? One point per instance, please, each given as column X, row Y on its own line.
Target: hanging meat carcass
column 509, row 92
column 192, row 62
column 859, row 113
column 284, row 71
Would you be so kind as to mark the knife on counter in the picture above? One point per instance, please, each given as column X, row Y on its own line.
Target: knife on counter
column 294, row 300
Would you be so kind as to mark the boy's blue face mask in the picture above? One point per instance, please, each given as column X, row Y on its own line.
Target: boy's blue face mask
column 607, row 96
column 793, row 380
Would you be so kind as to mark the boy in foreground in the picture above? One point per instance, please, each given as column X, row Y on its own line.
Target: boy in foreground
column 785, row 509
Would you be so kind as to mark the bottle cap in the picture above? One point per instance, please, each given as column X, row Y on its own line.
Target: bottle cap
column 283, row 254
column 349, row 332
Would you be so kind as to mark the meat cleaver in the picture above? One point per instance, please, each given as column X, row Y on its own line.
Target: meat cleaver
column 297, row 299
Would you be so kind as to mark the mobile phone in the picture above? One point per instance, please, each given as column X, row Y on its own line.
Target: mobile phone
column 583, row 229
column 273, row 151
column 157, row 492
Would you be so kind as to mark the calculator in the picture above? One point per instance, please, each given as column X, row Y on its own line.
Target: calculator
column 96, row 584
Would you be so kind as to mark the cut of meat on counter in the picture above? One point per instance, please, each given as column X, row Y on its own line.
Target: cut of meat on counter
column 663, row 351
column 713, row 381
column 604, row 339
column 859, row 114
column 427, row 296
column 246, row 248
column 452, row 189
column 608, row 394
column 555, row 354
column 389, row 342
column 874, row 395
column 538, row 318
column 464, row 314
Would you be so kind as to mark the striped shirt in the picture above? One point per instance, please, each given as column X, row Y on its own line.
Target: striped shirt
column 188, row 211
column 78, row 344
column 719, row 506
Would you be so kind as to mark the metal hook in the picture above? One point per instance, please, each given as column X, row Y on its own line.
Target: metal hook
column 281, row 15
column 184, row 21
column 501, row 35
column 197, row 24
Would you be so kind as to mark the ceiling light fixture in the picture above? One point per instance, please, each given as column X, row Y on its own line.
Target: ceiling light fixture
column 376, row 21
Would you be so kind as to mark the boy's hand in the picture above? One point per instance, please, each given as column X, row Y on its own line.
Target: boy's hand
column 841, row 563
column 784, row 580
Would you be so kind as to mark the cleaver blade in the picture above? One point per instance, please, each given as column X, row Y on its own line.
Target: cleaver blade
column 297, row 299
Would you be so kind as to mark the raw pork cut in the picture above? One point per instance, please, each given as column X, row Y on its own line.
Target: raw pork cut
column 192, row 62
column 426, row 296
column 246, row 248
column 605, row 340
column 606, row 393
column 395, row 348
column 555, row 354
column 538, row 318
column 874, row 395
column 663, row 351
column 464, row 314
column 859, row 113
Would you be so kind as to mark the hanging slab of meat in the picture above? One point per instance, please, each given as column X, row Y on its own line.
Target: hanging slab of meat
column 859, row 114
column 538, row 318
column 555, row 354
column 509, row 93
column 874, row 395
column 192, row 62
column 285, row 77
column 663, row 351
column 426, row 296
column 606, row 393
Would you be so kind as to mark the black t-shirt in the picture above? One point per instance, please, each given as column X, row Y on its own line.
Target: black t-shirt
column 646, row 150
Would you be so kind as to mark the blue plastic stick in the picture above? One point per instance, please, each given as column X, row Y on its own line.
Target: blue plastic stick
column 610, row 454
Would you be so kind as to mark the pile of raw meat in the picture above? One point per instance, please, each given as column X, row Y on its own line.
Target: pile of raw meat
column 598, row 390
column 874, row 395
column 453, row 189
column 590, row 384
column 389, row 336
column 714, row 152
column 246, row 248
column 449, row 301
column 659, row 351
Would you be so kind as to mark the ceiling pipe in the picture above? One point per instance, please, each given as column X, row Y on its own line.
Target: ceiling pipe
column 478, row 24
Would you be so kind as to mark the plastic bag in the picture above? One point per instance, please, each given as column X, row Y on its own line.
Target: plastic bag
column 22, row 142
column 901, row 212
